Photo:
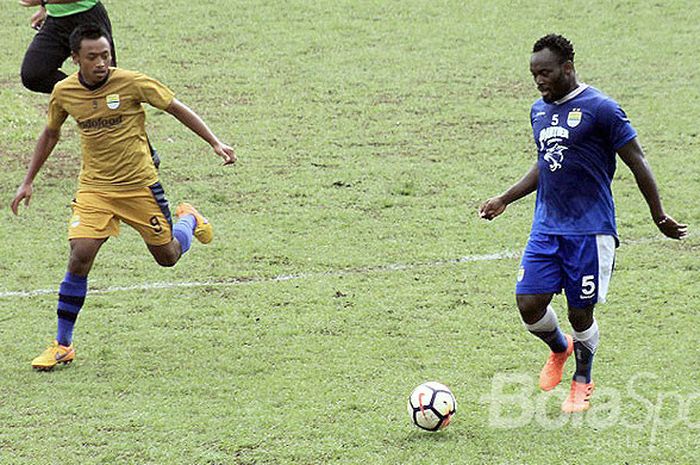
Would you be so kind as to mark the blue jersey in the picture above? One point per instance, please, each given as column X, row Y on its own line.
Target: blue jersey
column 577, row 138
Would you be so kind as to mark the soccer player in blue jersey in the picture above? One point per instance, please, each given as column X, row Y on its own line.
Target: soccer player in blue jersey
column 577, row 131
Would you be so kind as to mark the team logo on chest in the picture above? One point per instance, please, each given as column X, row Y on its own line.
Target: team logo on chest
column 574, row 117
column 554, row 155
column 113, row 101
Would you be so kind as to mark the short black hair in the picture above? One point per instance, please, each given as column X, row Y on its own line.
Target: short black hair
column 557, row 44
column 86, row 31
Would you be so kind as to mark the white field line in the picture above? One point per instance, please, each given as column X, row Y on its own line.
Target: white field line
column 290, row 277
column 351, row 271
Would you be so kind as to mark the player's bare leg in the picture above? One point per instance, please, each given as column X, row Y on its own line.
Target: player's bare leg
column 82, row 255
column 168, row 254
column 532, row 307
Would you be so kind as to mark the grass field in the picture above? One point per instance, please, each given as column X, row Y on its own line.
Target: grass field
column 349, row 264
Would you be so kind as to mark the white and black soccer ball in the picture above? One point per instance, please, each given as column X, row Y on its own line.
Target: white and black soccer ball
column 431, row 406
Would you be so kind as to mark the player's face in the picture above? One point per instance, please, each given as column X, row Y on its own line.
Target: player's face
column 94, row 59
column 554, row 79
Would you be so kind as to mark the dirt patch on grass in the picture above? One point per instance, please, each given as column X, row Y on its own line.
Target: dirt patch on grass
column 8, row 83
column 507, row 88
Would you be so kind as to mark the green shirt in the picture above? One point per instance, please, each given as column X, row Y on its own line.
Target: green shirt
column 67, row 9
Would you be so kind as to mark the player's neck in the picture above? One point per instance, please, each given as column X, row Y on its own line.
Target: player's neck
column 92, row 85
column 573, row 85
column 573, row 92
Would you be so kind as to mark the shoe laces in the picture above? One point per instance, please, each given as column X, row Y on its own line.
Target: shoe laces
column 580, row 392
column 55, row 348
column 555, row 357
column 50, row 351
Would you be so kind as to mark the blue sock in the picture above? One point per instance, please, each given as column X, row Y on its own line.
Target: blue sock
column 585, row 345
column 554, row 339
column 184, row 230
column 71, row 296
column 547, row 329
column 584, row 363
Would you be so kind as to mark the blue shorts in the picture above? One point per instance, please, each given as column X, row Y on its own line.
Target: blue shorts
column 581, row 265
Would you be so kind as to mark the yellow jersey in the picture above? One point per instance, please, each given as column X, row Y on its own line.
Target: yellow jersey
column 111, row 122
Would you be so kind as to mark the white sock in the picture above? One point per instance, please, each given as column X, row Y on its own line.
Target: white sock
column 547, row 323
column 589, row 338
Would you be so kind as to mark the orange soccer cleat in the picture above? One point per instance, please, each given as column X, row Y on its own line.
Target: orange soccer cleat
column 579, row 399
column 551, row 373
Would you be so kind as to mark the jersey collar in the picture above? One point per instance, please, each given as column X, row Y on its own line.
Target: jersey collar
column 581, row 87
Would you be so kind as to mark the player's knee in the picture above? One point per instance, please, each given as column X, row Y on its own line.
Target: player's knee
column 79, row 263
column 166, row 255
column 531, row 309
column 581, row 318
column 167, row 260
column 33, row 79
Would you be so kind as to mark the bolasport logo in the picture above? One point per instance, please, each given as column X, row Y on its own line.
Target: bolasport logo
column 516, row 402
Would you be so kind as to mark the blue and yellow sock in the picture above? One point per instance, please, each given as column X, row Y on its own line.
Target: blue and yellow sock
column 71, row 296
column 184, row 230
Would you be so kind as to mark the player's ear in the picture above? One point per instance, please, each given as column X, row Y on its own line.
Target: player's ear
column 568, row 66
column 74, row 56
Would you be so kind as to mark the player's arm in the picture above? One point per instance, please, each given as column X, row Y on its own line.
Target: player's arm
column 632, row 154
column 192, row 120
column 38, row 18
column 44, row 146
column 38, row 2
column 497, row 205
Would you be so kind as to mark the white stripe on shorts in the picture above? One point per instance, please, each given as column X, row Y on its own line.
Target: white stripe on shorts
column 606, row 257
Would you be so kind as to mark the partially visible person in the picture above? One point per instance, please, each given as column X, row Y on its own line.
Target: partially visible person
column 118, row 181
column 55, row 20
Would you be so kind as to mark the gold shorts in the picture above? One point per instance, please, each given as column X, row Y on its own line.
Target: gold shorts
column 96, row 214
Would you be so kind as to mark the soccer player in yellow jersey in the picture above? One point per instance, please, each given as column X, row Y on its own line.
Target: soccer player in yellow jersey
column 118, row 180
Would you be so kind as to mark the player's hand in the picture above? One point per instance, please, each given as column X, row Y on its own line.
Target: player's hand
column 671, row 228
column 492, row 208
column 30, row 2
column 38, row 18
column 227, row 153
column 23, row 193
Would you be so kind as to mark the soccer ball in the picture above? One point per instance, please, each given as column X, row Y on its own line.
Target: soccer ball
column 431, row 406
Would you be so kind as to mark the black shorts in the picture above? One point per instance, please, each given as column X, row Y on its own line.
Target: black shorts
column 50, row 47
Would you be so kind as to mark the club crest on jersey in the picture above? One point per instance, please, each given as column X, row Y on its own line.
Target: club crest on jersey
column 113, row 101
column 574, row 118
column 555, row 156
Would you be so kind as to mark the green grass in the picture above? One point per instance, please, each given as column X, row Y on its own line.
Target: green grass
column 368, row 133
